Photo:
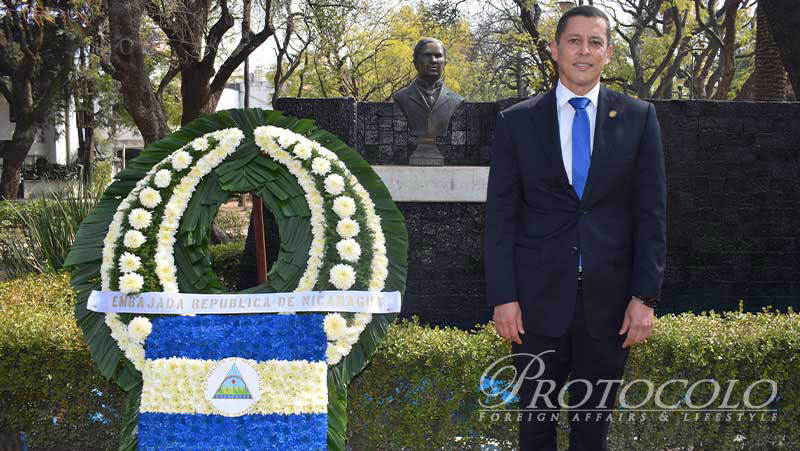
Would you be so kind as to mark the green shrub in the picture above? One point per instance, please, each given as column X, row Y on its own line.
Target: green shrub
column 226, row 259
column 49, row 387
column 10, row 211
column 47, row 229
column 420, row 392
column 233, row 223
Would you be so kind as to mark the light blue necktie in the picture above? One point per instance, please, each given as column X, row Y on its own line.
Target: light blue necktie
column 581, row 150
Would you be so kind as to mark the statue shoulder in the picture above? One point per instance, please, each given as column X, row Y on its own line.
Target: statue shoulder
column 404, row 93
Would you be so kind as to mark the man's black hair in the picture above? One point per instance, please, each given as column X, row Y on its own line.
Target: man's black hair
column 585, row 11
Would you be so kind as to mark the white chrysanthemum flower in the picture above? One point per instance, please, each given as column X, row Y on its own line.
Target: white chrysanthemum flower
column 334, row 184
column 195, row 174
column 334, row 325
column 332, row 354
column 379, row 272
column 286, row 138
column 140, row 218
column 320, row 166
column 315, row 200
column 203, row 166
column 317, row 250
column 129, row 262
column 139, row 328
column 350, row 335
column 342, row 276
column 344, row 206
column 136, row 355
column 181, row 160
column 200, row 143
column 123, row 340
column 131, row 283
column 327, row 153
column 162, row 178
column 133, row 239
column 349, row 249
column 149, row 198
column 361, row 319
column 302, row 151
column 347, row 228
column 163, row 271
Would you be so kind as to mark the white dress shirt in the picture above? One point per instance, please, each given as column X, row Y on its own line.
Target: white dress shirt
column 566, row 113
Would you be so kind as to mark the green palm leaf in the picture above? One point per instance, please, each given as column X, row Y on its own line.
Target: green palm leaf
column 245, row 171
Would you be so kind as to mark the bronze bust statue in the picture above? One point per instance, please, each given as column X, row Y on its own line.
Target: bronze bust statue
column 427, row 103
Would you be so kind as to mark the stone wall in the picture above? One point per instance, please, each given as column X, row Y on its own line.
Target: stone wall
column 733, row 177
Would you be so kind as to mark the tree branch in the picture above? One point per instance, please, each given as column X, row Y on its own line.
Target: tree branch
column 709, row 32
column 247, row 44
column 670, row 53
column 53, row 89
column 171, row 73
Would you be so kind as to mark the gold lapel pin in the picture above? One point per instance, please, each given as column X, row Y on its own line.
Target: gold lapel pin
column 612, row 114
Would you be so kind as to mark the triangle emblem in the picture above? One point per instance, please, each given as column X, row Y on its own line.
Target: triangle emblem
column 233, row 386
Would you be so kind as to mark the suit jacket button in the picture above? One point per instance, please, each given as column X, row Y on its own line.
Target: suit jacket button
column 582, row 211
column 573, row 250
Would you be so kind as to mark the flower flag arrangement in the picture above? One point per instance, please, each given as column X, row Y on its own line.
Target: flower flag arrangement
column 339, row 230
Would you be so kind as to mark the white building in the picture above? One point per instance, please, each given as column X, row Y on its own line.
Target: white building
column 59, row 144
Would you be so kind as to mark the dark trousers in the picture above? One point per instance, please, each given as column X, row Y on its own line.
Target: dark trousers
column 578, row 355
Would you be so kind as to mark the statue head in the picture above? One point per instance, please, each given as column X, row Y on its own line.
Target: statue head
column 430, row 57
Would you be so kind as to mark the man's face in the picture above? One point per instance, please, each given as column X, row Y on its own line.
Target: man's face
column 581, row 53
column 430, row 61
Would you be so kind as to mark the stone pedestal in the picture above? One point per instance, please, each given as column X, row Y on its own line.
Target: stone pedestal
column 426, row 154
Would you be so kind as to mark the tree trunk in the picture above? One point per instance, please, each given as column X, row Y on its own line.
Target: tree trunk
column 784, row 23
column 14, row 153
column 769, row 77
column 86, row 152
column 728, row 51
column 197, row 98
column 127, row 57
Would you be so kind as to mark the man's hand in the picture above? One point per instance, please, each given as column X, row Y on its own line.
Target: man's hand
column 638, row 323
column 508, row 321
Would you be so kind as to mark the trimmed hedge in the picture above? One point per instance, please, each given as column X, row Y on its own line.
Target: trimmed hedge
column 49, row 387
column 226, row 262
column 420, row 392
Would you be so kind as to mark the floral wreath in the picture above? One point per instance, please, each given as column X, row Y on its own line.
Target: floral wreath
column 338, row 226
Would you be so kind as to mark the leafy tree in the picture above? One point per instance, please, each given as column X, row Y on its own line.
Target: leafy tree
column 37, row 52
column 195, row 30
column 655, row 40
column 292, row 37
column 366, row 52
column 510, row 64
column 127, row 66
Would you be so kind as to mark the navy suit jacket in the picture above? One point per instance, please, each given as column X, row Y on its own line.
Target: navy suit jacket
column 536, row 226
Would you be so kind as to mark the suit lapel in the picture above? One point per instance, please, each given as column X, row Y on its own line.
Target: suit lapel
column 444, row 95
column 545, row 118
column 416, row 96
column 602, row 131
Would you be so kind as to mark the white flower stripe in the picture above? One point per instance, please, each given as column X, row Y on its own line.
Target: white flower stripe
column 166, row 271
column 271, row 139
column 131, row 342
column 268, row 139
column 176, row 385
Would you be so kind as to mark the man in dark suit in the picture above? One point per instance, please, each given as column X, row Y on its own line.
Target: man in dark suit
column 575, row 241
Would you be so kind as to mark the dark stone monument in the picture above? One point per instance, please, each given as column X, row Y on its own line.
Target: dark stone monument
column 427, row 103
